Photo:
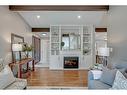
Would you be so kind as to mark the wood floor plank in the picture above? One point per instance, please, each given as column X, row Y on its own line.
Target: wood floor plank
column 67, row 78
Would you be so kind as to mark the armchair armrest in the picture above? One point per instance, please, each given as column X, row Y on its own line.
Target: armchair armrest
column 94, row 74
column 18, row 84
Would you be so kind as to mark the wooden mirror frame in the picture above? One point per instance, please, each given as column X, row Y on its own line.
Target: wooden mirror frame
column 12, row 42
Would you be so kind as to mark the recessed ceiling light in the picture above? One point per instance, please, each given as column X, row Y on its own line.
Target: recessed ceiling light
column 78, row 16
column 38, row 16
column 44, row 34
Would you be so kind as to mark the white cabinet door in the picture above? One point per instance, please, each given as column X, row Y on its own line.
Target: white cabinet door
column 83, row 63
column 55, row 62
column 87, row 62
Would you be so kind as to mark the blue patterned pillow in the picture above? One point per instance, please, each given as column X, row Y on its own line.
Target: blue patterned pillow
column 120, row 81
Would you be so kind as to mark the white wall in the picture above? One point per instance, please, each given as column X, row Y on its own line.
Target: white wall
column 11, row 22
column 117, row 32
column 45, row 52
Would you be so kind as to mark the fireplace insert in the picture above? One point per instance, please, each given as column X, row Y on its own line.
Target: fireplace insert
column 71, row 62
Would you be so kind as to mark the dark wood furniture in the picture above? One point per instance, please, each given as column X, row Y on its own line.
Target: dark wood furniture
column 20, row 64
column 40, row 29
column 59, row 8
column 100, row 29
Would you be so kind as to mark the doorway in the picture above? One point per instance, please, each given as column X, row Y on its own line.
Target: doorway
column 37, row 48
column 45, row 51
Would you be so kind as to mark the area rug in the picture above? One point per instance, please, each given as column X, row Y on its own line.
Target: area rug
column 55, row 88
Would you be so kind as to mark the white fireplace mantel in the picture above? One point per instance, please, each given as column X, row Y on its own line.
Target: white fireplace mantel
column 72, row 53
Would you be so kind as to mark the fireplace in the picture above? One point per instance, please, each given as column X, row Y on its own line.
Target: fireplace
column 71, row 62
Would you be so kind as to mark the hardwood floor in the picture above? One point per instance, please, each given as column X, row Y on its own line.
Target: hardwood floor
column 66, row 78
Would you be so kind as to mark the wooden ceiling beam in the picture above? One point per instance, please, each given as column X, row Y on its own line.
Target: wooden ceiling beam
column 59, row 7
column 48, row 29
column 100, row 29
column 40, row 29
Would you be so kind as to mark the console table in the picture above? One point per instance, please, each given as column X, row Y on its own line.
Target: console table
column 22, row 62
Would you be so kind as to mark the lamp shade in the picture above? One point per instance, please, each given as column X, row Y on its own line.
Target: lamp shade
column 103, row 51
column 16, row 47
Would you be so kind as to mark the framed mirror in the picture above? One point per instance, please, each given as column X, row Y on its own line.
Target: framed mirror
column 15, row 40
column 71, row 41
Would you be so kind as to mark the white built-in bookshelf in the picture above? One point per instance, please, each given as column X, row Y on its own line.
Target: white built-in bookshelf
column 85, row 51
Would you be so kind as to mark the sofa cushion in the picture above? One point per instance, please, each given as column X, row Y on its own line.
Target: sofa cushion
column 108, row 76
column 96, row 84
column 6, row 77
column 120, row 81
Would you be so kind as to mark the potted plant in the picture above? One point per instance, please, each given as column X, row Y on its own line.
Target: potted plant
column 96, row 65
column 27, row 49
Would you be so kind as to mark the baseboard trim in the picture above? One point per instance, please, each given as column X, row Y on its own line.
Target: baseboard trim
column 55, row 87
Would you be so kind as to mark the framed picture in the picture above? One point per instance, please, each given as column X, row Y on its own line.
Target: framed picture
column 16, row 39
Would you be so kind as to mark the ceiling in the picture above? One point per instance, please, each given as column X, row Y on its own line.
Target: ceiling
column 40, row 34
column 48, row 18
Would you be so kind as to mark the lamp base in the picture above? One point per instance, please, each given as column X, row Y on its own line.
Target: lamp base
column 103, row 60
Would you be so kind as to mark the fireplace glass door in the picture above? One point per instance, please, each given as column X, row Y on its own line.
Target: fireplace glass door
column 71, row 62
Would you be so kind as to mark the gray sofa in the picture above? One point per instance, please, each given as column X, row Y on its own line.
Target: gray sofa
column 98, row 84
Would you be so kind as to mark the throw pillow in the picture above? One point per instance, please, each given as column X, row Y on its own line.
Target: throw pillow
column 1, row 65
column 108, row 76
column 6, row 77
column 120, row 81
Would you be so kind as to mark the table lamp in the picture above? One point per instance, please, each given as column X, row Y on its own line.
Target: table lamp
column 17, row 48
column 103, row 52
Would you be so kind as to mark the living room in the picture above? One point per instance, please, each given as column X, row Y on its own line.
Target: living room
column 59, row 51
